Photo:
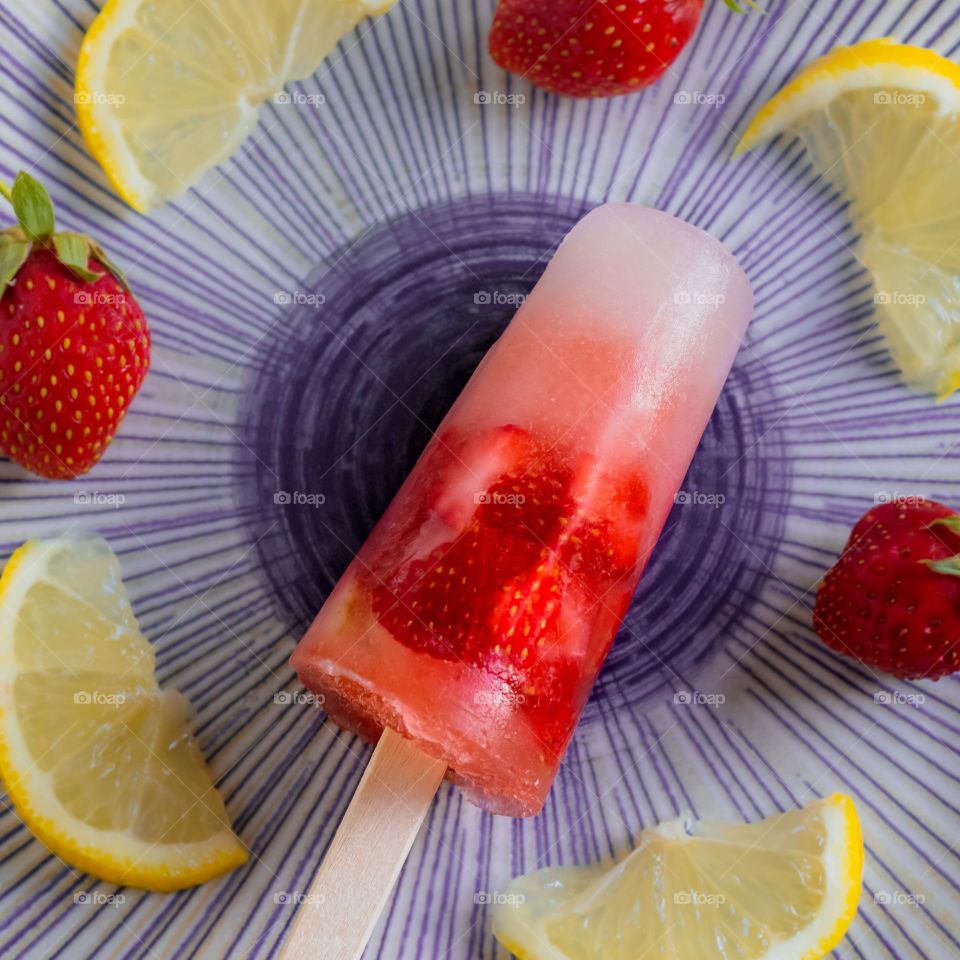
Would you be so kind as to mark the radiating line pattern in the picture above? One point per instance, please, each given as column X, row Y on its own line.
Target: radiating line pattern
column 250, row 397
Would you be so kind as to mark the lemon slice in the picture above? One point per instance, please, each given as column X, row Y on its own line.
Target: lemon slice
column 882, row 120
column 164, row 91
column 785, row 888
column 98, row 761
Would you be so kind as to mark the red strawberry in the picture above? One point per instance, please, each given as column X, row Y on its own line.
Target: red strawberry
column 592, row 48
column 472, row 467
column 74, row 344
column 892, row 600
column 503, row 593
column 610, row 513
column 503, row 499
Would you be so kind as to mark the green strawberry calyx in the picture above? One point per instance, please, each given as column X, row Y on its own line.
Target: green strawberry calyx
column 33, row 209
column 949, row 565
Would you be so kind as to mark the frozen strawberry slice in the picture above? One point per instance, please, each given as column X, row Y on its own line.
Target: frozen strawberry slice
column 458, row 476
column 530, row 547
column 475, row 467
column 531, row 654
column 449, row 604
column 525, row 616
column 601, row 542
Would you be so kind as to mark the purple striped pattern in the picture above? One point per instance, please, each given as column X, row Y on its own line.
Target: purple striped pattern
column 812, row 427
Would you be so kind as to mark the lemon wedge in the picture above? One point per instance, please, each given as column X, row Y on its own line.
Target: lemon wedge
column 785, row 888
column 165, row 91
column 99, row 762
column 881, row 120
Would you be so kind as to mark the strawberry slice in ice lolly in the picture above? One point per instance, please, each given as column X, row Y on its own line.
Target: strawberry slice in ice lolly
column 475, row 618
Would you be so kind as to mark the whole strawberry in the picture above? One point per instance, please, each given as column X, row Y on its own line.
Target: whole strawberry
column 74, row 344
column 592, row 48
column 892, row 600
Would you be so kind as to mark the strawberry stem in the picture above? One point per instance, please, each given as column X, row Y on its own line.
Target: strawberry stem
column 33, row 209
column 951, row 523
column 950, row 566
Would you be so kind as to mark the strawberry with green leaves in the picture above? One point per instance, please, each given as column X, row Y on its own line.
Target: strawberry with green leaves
column 593, row 48
column 892, row 600
column 74, row 343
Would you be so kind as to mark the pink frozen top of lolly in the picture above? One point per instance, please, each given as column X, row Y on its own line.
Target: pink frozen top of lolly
column 476, row 617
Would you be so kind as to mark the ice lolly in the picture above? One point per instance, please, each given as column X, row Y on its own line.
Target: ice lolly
column 475, row 618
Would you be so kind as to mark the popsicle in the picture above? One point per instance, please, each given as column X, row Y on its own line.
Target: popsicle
column 467, row 632
column 475, row 618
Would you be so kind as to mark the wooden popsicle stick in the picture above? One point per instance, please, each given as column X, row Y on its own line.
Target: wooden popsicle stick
column 371, row 844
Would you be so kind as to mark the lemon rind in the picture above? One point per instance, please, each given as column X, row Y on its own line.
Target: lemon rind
column 882, row 64
column 843, row 855
column 112, row 856
column 104, row 134
column 871, row 64
column 101, row 133
column 844, row 884
column 145, row 865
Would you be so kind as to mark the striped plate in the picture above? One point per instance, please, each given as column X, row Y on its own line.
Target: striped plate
column 316, row 305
